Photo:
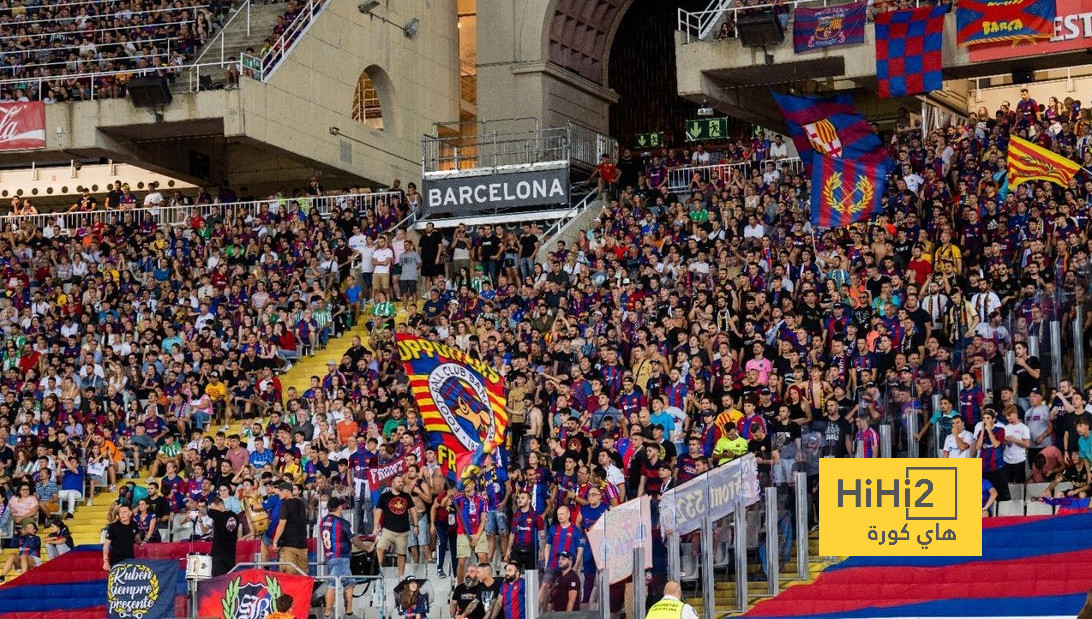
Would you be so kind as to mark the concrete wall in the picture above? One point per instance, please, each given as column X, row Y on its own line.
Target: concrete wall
column 515, row 79
column 279, row 132
column 314, row 89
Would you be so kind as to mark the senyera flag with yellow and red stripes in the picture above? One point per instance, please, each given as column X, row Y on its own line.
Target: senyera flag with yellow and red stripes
column 1030, row 162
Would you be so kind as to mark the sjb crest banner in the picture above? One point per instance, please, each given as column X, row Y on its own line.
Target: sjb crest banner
column 461, row 400
column 829, row 26
column 142, row 589
column 252, row 594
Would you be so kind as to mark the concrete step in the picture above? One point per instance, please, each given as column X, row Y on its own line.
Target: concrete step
column 236, row 37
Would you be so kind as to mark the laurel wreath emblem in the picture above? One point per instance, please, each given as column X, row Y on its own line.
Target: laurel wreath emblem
column 231, row 598
column 847, row 202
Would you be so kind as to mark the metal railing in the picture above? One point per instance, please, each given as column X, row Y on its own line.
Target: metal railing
column 680, row 179
column 244, row 9
column 195, row 10
column 91, row 78
column 701, row 24
column 178, row 215
column 292, row 35
column 573, row 142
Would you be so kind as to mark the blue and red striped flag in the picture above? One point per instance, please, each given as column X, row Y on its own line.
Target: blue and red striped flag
column 829, row 125
column 908, row 51
column 844, row 192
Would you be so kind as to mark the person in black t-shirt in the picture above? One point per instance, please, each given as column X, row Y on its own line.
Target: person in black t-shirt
column 225, row 534
column 394, row 514
column 290, row 538
column 488, row 589
column 565, row 591
column 120, row 539
column 464, row 599
column 761, row 445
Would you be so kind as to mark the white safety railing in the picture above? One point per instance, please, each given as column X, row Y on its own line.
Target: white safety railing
column 291, row 37
column 164, row 216
column 701, row 25
column 572, row 214
column 243, row 12
column 91, row 79
column 193, row 11
column 680, row 179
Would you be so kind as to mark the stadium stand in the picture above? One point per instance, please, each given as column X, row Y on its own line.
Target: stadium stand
column 73, row 43
column 147, row 350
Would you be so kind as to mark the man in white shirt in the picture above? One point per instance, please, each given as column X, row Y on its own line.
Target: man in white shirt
column 700, row 157
column 154, row 199
column 1017, row 441
column 778, row 148
column 1037, row 418
column 382, row 259
column 960, row 443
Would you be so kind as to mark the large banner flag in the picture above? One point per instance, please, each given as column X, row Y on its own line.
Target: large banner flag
column 142, row 589
column 829, row 125
column 1029, row 162
column 829, row 26
column 461, row 401
column 988, row 21
column 908, row 51
column 252, row 594
column 22, row 125
column 844, row 192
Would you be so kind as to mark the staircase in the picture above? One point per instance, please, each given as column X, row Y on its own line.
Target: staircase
column 757, row 587
column 249, row 25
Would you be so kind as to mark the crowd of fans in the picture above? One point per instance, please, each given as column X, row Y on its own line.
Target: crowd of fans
column 681, row 330
column 49, row 50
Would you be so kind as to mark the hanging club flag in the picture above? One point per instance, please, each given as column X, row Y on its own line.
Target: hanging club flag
column 844, row 192
column 252, row 594
column 908, row 51
column 829, row 26
column 142, row 589
column 1028, row 162
column 461, row 400
column 829, row 125
column 988, row 21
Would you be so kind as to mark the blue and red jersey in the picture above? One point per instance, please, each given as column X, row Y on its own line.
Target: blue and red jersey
column 870, row 440
column 993, row 457
column 563, row 539
column 512, row 597
column 493, row 483
column 526, row 525
column 469, row 511
column 336, row 536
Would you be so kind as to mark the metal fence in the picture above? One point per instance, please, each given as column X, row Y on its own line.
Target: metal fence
column 486, row 148
column 687, row 177
column 71, row 222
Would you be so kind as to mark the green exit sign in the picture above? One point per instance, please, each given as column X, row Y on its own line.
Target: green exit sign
column 707, row 129
column 650, row 140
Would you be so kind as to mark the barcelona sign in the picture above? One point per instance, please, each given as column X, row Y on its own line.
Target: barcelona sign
column 461, row 400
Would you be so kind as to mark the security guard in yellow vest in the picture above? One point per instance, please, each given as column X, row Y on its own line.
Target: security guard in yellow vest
column 671, row 605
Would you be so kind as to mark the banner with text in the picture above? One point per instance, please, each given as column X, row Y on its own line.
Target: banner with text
column 715, row 493
column 478, row 193
column 990, row 21
column 1072, row 31
column 829, row 26
column 22, row 125
column 461, row 399
column 142, row 589
column 630, row 526
column 252, row 594
column 379, row 476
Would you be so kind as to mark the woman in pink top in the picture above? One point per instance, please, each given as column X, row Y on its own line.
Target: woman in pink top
column 24, row 506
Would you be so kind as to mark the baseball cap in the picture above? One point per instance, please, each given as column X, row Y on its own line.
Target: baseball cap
column 565, row 553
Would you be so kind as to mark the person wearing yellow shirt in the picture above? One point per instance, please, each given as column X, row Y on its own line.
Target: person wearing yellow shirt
column 730, row 446
column 217, row 391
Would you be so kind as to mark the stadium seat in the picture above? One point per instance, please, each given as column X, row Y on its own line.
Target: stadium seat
column 1039, row 508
